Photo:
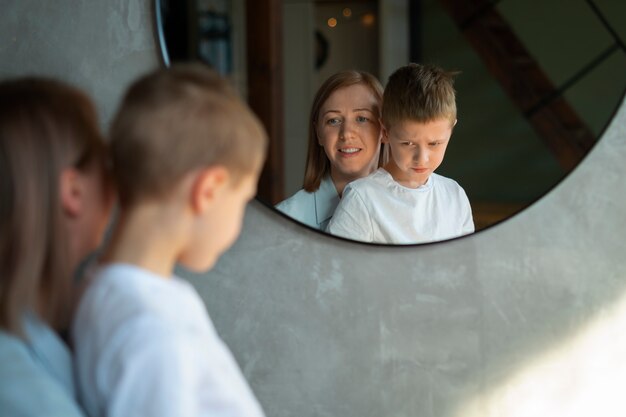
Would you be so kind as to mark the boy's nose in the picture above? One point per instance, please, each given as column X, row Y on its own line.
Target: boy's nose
column 420, row 156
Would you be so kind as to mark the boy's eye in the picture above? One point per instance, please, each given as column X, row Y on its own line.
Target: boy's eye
column 434, row 143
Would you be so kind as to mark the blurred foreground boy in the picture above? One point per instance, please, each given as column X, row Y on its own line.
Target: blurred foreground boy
column 186, row 156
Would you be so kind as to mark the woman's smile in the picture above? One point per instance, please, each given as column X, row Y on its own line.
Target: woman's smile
column 349, row 152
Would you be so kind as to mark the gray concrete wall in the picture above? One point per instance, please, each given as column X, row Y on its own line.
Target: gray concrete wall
column 99, row 46
column 525, row 318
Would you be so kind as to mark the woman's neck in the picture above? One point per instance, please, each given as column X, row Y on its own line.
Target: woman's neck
column 340, row 181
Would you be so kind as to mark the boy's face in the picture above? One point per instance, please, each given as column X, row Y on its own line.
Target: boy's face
column 349, row 131
column 417, row 149
column 218, row 228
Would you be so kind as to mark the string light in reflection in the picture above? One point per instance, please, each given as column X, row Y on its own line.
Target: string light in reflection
column 368, row 19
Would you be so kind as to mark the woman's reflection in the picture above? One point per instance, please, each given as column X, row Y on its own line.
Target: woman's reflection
column 344, row 145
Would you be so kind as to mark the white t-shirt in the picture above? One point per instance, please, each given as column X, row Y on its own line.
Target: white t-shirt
column 145, row 346
column 378, row 209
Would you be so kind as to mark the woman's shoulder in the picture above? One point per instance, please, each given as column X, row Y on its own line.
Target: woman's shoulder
column 24, row 378
column 301, row 199
column 312, row 208
column 300, row 206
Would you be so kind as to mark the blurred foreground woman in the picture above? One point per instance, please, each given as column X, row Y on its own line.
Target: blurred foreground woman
column 54, row 206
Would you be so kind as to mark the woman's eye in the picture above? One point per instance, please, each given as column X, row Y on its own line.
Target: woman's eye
column 434, row 143
column 362, row 119
column 333, row 121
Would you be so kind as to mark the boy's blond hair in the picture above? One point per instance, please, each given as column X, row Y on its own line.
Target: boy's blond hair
column 176, row 120
column 420, row 93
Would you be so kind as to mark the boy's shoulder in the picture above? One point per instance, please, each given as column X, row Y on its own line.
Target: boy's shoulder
column 444, row 181
column 123, row 280
column 449, row 190
column 441, row 182
column 123, row 292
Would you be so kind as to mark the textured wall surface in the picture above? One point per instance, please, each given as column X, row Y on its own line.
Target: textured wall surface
column 99, row 46
column 525, row 318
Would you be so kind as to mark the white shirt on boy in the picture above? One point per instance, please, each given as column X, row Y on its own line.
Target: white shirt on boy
column 380, row 210
column 145, row 346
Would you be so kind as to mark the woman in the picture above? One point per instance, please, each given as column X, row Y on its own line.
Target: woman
column 344, row 145
column 54, row 206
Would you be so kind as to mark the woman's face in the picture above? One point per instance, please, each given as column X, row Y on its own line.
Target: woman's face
column 349, row 131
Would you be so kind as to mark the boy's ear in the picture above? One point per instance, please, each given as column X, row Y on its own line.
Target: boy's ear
column 208, row 184
column 71, row 192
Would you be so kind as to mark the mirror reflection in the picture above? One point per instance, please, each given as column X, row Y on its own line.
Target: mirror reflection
column 537, row 84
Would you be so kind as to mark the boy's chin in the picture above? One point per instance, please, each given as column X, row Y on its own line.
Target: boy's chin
column 198, row 265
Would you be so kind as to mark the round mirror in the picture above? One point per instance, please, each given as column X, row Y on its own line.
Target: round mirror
column 538, row 81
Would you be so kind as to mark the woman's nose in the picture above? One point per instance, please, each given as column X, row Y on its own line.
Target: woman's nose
column 347, row 129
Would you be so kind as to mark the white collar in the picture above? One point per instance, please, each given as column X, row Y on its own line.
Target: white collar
column 326, row 200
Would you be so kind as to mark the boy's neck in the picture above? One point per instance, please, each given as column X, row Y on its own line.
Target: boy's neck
column 149, row 236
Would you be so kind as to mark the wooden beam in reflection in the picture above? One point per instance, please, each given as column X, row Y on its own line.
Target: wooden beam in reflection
column 564, row 133
column 264, row 27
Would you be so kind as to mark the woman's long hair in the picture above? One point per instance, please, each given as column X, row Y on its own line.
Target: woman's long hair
column 45, row 127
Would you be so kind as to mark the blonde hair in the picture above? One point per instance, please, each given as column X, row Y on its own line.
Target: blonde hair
column 45, row 127
column 420, row 93
column 178, row 119
column 317, row 163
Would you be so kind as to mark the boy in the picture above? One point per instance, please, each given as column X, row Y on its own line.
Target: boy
column 405, row 201
column 186, row 156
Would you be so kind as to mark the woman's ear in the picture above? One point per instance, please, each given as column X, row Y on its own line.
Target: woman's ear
column 384, row 135
column 317, row 136
column 207, row 185
column 71, row 192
